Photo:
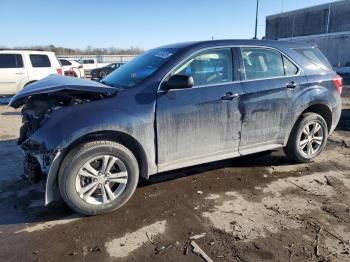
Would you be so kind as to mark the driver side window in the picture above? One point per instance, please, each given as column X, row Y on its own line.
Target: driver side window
column 208, row 68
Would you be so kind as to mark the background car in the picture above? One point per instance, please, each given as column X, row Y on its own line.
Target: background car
column 72, row 68
column 88, row 64
column 19, row 68
column 100, row 73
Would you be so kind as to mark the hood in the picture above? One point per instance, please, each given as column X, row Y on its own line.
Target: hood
column 57, row 84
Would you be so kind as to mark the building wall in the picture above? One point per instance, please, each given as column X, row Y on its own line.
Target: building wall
column 335, row 47
column 326, row 25
column 323, row 19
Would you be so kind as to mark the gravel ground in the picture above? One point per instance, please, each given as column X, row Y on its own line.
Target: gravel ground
column 256, row 208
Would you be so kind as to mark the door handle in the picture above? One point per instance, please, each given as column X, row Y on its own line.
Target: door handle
column 19, row 73
column 291, row 85
column 229, row 96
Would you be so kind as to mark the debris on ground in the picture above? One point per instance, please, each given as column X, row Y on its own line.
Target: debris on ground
column 195, row 237
column 150, row 239
column 199, row 251
column 317, row 240
column 162, row 249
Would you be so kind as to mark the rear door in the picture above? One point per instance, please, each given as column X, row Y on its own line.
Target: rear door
column 270, row 80
column 41, row 66
column 202, row 123
column 12, row 73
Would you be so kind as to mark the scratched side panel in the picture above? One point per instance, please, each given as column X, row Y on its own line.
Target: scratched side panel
column 265, row 107
column 194, row 122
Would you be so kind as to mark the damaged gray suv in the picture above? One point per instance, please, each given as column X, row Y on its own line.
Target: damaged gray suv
column 172, row 107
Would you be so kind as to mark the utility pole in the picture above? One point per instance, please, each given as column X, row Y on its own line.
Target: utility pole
column 256, row 20
column 282, row 5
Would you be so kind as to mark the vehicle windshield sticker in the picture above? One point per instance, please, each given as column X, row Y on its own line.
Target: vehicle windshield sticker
column 163, row 54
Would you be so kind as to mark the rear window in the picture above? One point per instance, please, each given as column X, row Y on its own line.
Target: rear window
column 40, row 60
column 88, row 61
column 315, row 56
column 65, row 62
column 11, row 61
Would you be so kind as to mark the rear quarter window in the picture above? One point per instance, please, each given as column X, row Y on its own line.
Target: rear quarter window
column 316, row 57
column 40, row 60
column 11, row 61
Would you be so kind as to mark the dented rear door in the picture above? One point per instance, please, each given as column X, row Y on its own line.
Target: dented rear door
column 268, row 78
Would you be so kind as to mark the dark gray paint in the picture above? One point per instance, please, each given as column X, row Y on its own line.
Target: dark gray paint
column 186, row 127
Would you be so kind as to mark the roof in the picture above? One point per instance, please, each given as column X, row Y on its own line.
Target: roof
column 23, row 51
column 240, row 42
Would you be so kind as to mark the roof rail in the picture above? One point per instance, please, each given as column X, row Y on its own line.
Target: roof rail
column 22, row 49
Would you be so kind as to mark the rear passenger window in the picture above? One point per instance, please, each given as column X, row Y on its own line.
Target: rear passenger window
column 11, row 61
column 289, row 68
column 260, row 63
column 40, row 60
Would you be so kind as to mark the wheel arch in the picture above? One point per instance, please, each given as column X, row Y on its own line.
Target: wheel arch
column 29, row 82
column 319, row 108
column 25, row 83
column 323, row 110
column 126, row 140
column 117, row 136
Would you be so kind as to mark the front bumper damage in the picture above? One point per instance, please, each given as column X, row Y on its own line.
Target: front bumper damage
column 42, row 166
column 42, row 101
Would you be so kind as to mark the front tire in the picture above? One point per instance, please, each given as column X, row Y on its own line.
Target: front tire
column 98, row 177
column 307, row 139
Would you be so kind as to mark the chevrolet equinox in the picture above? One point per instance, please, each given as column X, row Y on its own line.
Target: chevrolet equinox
column 174, row 106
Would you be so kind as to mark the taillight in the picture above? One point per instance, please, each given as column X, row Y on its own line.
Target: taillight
column 59, row 71
column 338, row 83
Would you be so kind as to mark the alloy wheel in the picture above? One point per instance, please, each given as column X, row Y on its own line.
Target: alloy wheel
column 101, row 180
column 311, row 138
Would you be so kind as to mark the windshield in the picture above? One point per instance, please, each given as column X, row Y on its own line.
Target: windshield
column 139, row 68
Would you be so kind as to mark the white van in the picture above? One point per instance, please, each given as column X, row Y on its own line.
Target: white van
column 19, row 68
column 89, row 63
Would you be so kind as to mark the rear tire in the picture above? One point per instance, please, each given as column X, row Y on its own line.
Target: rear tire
column 307, row 139
column 86, row 167
column 103, row 74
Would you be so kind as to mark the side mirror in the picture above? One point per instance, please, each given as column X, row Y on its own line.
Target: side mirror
column 178, row 82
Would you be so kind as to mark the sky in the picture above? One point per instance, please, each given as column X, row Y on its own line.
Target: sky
column 133, row 23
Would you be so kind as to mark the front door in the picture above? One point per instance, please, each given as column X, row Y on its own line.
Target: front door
column 203, row 123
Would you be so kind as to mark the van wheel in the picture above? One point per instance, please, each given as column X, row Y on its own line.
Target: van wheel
column 98, row 177
column 307, row 139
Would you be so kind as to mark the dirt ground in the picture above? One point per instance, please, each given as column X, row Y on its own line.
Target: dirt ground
column 256, row 208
